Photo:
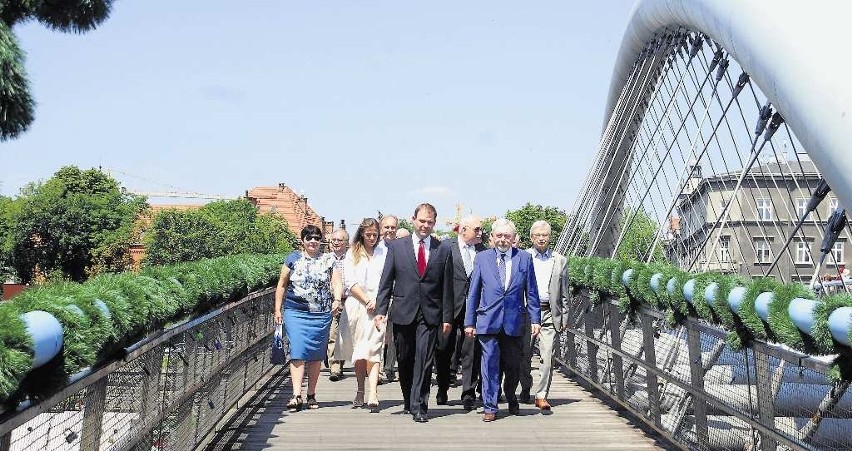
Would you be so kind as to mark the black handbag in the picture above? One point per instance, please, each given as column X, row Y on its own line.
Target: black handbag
column 278, row 355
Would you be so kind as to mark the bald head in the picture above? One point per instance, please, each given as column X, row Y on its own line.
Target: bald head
column 402, row 233
column 470, row 229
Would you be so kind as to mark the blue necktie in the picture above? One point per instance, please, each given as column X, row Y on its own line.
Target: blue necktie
column 501, row 270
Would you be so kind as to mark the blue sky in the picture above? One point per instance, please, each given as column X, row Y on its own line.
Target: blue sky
column 361, row 105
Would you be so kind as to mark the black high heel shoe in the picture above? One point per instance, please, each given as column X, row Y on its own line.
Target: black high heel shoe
column 295, row 404
column 311, row 401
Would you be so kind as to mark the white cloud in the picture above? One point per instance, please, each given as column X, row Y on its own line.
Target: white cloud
column 442, row 191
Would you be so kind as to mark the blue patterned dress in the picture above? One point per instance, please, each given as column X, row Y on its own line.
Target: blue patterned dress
column 307, row 306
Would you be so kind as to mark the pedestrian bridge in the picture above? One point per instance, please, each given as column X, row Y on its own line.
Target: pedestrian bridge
column 710, row 297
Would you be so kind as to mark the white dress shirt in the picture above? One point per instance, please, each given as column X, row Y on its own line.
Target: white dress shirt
column 366, row 272
column 426, row 242
column 508, row 263
column 543, row 266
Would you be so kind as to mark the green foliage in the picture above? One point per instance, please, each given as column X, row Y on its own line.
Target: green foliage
column 16, row 355
column 525, row 216
column 69, row 16
column 76, row 224
column 747, row 313
column 217, row 229
column 640, row 234
column 137, row 305
column 601, row 275
column 405, row 224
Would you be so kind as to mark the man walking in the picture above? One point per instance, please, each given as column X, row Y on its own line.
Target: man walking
column 502, row 279
column 388, row 225
column 551, row 273
column 339, row 243
column 414, row 276
column 459, row 267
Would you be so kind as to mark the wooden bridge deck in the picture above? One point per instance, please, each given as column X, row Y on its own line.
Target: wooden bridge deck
column 579, row 421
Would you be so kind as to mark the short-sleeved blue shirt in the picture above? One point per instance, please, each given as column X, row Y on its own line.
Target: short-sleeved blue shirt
column 310, row 282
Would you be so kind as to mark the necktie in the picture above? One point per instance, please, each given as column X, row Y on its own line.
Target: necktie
column 467, row 260
column 421, row 258
column 501, row 270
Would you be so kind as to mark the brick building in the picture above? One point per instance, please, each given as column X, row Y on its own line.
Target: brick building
column 293, row 207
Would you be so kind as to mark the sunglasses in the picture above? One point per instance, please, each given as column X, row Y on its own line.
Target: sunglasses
column 313, row 238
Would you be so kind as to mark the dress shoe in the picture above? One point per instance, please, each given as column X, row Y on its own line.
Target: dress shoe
column 489, row 417
column 514, row 409
column 335, row 377
column 390, row 376
column 468, row 403
column 441, row 398
column 542, row 404
column 421, row 418
column 525, row 397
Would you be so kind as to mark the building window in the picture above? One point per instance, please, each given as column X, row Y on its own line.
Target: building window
column 725, row 249
column 803, row 252
column 833, row 204
column 837, row 250
column 762, row 251
column 801, row 206
column 764, row 209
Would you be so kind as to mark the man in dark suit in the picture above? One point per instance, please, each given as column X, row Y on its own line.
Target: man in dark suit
column 502, row 288
column 457, row 280
column 414, row 276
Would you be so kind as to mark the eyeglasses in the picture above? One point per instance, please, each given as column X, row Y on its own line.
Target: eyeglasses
column 338, row 240
column 313, row 238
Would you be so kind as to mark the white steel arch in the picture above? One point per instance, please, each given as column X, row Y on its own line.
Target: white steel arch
column 796, row 52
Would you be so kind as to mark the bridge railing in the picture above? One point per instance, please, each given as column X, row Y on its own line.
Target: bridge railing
column 690, row 386
column 167, row 393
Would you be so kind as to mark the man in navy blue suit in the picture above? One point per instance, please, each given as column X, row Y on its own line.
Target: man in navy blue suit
column 414, row 275
column 502, row 288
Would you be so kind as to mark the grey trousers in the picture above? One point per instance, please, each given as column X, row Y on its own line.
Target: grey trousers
column 334, row 366
column 546, row 348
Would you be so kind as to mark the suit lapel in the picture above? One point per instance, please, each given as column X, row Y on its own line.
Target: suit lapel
column 516, row 259
column 412, row 257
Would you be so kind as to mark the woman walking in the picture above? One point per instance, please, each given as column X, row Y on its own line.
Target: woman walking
column 362, row 270
column 310, row 282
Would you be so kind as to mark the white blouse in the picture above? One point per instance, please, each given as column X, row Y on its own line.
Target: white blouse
column 366, row 273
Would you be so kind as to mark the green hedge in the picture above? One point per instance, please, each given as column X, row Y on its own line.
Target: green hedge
column 603, row 277
column 139, row 304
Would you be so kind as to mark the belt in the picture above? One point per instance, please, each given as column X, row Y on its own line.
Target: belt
column 545, row 307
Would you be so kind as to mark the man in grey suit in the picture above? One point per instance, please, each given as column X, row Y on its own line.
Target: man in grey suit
column 551, row 272
column 457, row 281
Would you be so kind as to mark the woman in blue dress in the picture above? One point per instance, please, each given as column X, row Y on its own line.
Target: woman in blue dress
column 313, row 289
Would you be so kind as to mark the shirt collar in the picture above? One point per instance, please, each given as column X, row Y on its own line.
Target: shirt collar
column 542, row 255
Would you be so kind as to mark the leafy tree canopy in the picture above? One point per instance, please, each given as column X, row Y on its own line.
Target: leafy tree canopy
column 76, row 224
column 525, row 216
column 75, row 16
column 640, row 235
column 217, row 229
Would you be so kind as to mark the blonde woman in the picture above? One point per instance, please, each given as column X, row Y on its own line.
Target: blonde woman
column 362, row 269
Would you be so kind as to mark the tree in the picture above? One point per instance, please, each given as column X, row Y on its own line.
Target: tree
column 217, row 229
column 16, row 103
column 640, row 234
column 76, row 224
column 525, row 216
column 179, row 236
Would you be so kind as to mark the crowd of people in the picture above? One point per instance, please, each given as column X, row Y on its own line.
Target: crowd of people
column 395, row 304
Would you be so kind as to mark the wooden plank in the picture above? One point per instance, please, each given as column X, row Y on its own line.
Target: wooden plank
column 579, row 421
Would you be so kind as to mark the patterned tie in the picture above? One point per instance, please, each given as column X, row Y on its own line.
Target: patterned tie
column 467, row 260
column 501, row 270
column 421, row 258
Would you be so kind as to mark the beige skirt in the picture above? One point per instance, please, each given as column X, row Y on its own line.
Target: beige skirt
column 358, row 338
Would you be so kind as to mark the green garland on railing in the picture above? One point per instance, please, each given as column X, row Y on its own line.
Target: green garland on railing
column 139, row 304
column 599, row 275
